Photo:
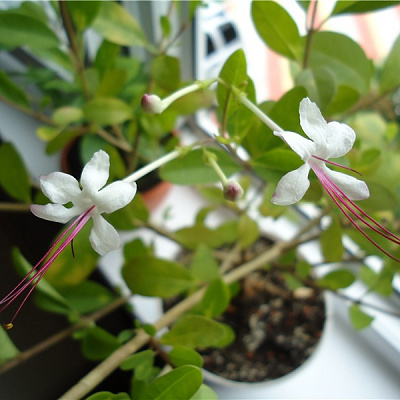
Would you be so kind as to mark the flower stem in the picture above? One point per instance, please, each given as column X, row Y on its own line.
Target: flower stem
column 152, row 166
column 255, row 110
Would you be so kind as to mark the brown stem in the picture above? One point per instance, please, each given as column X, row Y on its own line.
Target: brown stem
column 69, row 29
column 59, row 336
column 310, row 34
column 14, row 207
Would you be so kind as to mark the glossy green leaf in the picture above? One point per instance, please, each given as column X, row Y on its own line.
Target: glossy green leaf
column 344, row 98
column 8, row 348
column 204, row 266
column 14, row 178
column 215, row 300
column 11, row 91
column 98, row 344
column 166, row 72
column 190, row 237
column 67, row 115
column 118, row 25
column 180, row 356
column 150, row 276
column 277, row 28
column 331, row 241
column 359, row 319
column 320, row 84
column 69, row 271
column 205, row 393
column 18, row 29
column 390, row 78
column 360, row 6
column 233, row 73
column 88, row 296
column 248, row 231
column 191, row 169
column 112, row 82
column 142, row 362
column 344, row 57
column 107, row 111
column 337, row 279
column 83, row 12
column 198, row 331
column 108, row 396
column 136, row 248
column 179, row 384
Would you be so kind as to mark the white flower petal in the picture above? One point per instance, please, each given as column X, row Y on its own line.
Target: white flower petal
column 103, row 236
column 55, row 212
column 115, row 196
column 352, row 187
column 339, row 140
column 59, row 187
column 312, row 121
column 95, row 172
column 302, row 146
column 292, row 187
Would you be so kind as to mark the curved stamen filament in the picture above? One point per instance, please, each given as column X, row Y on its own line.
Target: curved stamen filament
column 343, row 202
column 336, row 164
column 34, row 280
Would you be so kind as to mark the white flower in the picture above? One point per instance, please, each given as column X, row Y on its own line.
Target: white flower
column 62, row 189
column 328, row 140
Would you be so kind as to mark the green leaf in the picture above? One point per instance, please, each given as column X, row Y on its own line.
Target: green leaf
column 277, row 28
column 344, row 98
column 181, row 355
column 12, row 92
column 98, row 344
column 117, row 25
column 248, row 231
column 67, row 115
column 233, row 73
column 360, row 6
column 8, row 348
column 358, row 318
column 17, row 30
column 179, row 384
column 198, row 331
column 142, row 362
column 166, row 72
column 107, row 111
column 88, row 296
column 390, row 78
column 331, row 241
column 337, row 279
column 344, row 58
column 108, row 396
column 381, row 282
column 150, row 276
column 83, row 13
column 191, row 169
column 273, row 164
column 14, row 177
column 69, row 271
column 215, row 300
column 204, row 266
column 205, row 393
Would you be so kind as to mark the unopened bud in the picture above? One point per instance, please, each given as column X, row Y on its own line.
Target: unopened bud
column 152, row 104
column 233, row 191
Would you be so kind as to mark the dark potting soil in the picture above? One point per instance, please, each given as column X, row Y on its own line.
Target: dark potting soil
column 275, row 332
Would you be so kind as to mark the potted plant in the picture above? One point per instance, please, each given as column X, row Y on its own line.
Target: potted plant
column 292, row 151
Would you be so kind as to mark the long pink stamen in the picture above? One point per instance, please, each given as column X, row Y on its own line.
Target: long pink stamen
column 34, row 280
column 336, row 165
column 340, row 199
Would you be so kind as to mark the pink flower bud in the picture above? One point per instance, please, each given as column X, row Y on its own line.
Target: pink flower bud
column 152, row 104
column 233, row 191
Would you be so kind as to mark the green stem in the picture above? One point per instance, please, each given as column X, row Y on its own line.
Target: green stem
column 310, row 33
